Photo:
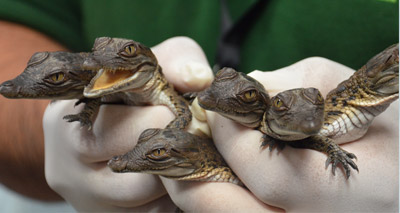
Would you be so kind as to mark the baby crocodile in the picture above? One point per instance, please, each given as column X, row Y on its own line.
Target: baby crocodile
column 130, row 70
column 56, row 76
column 292, row 117
column 352, row 106
column 175, row 154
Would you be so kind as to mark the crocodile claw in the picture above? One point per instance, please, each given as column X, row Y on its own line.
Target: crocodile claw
column 83, row 119
column 271, row 142
column 343, row 157
column 85, row 101
column 190, row 96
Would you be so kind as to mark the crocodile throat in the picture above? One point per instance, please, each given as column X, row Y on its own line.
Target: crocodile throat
column 108, row 78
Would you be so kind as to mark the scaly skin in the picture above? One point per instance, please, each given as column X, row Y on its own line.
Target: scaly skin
column 131, row 70
column 291, row 117
column 56, row 76
column 296, row 117
column 236, row 96
column 175, row 154
column 351, row 107
column 294, row 114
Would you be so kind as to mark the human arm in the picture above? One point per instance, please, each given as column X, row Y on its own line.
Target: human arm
column 22, row 167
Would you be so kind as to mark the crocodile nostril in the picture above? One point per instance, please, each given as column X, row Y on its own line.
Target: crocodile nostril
column 8, row 89
column 6, row 84
column 118, row 163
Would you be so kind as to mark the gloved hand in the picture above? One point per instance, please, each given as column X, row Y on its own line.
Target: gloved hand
column 76, row 158
column 296, row 179
column 292, row 179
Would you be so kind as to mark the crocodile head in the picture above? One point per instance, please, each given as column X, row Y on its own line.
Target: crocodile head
column 236, row 96
column 175, row 154
column 161, row 152
column 50, row 75
column 122, row 64
column 376, row 84
column 383, row 78
column 295, row 114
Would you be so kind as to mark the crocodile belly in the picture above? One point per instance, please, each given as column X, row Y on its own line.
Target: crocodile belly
column 350, row 125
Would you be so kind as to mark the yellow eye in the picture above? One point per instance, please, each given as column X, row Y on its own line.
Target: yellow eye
column 249, row 96
column 57, row 77
column 130, row 50
column 278, row 103
column 158, row 152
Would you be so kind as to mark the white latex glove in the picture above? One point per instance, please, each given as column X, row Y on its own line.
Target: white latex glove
column 77, row 170
column 296, row 179
column 76, row 158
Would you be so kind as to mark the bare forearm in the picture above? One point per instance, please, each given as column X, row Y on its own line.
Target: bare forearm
column 22, row 164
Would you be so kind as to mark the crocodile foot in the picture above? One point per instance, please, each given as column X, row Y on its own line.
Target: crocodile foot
column 339, row 155
column 271, row 142
column 83, row 118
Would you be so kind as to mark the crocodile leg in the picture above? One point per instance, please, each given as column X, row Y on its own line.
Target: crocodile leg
column 183, row 114
column 86, row 115
column 335, row 153
column 177, row 104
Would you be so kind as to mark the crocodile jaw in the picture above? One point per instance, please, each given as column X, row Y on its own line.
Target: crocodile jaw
column 111, row 81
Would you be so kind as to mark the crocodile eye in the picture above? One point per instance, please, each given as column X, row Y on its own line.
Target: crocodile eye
column 249, row 96
column 158, row 154
column 278, row 103
column 57, row 77
column 313, row 95
column 129, row 51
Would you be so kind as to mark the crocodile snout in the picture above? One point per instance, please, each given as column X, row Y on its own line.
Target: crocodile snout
column 91, row 63
column 118, row 163
column 206, row 100
column 8, row 89
column 310, row 125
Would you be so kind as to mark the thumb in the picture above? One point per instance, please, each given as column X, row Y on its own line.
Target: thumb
column 184, row 64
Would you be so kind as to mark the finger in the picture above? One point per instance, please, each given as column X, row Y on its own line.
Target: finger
column 76, row 163
column 184, row 64
column 317, row 72
column 272, row 176
column 102, row 143
column 163, row 204
column 214, row 197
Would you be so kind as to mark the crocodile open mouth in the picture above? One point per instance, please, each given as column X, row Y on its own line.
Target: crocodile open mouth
column 109, row 81
column 109, row 78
